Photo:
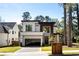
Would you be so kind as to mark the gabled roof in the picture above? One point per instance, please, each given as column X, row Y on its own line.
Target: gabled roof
column 8, row 24
column 3, row 29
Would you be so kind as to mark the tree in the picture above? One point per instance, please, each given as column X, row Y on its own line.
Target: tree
column 26, row 16
column 65, row 36
column 75, row 21
column 47, row 18
column 77, row 9
column 60, row 27
column 67, row 23
column 69, row 27
column 20, row 27
column 40, row 17
column 0, row 19
column 75, row 28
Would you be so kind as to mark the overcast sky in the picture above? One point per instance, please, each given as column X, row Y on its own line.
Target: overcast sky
column 12, row 12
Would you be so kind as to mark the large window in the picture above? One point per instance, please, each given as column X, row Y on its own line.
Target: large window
column 47, row 29
column 28, row 27
column 12, row 32
column 12, row 39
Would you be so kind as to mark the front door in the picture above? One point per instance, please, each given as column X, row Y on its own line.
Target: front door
column 46, row 39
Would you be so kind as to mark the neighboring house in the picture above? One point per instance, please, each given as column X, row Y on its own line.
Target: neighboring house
column 35, row 31
column 13, row 30
column 3, row 36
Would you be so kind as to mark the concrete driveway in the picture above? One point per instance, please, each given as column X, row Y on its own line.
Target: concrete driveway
column 29, row 49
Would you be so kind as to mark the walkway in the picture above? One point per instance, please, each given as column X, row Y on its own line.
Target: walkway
column 29, row 49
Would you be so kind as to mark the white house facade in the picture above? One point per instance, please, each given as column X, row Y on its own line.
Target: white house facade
column 13, row 32
column 3, row 39
column 3, row 36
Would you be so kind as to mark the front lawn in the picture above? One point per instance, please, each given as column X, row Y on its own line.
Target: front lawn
column 70, row 48
column 49, row 48
column 71, row 53
column 9, row 49
column 2, row 55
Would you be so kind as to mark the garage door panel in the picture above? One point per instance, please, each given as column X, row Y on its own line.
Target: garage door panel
column 31, row 41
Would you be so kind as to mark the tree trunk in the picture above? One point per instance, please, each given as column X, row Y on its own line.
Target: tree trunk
column 65, row 37
column 69, row 28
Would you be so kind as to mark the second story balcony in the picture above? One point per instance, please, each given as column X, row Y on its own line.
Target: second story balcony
column 31, row 33
column 35, row 33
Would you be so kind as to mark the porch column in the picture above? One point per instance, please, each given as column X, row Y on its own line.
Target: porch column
column 21, row 38
column 23, row 41
column 41, row 41
column 51, row 28
column 58, row 39
column 41, row 28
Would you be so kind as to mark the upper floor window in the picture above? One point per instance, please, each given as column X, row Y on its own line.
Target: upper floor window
column 28, row 27
column 15, row 32
column 12, row 39
column 12, row 32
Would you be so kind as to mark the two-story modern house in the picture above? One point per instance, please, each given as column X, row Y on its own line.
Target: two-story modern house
column 35, row 31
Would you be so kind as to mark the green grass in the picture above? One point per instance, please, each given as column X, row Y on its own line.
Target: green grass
column 9, row 49
column 49, row 48
column 71, row 53
column 70, row 48
column 2, row 55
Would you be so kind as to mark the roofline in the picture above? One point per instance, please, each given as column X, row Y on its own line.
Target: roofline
column 8, row 22
column 36, row 21
column 46, row 22
column 30, row 20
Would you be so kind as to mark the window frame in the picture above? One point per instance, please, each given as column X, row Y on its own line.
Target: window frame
column 12, row 32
